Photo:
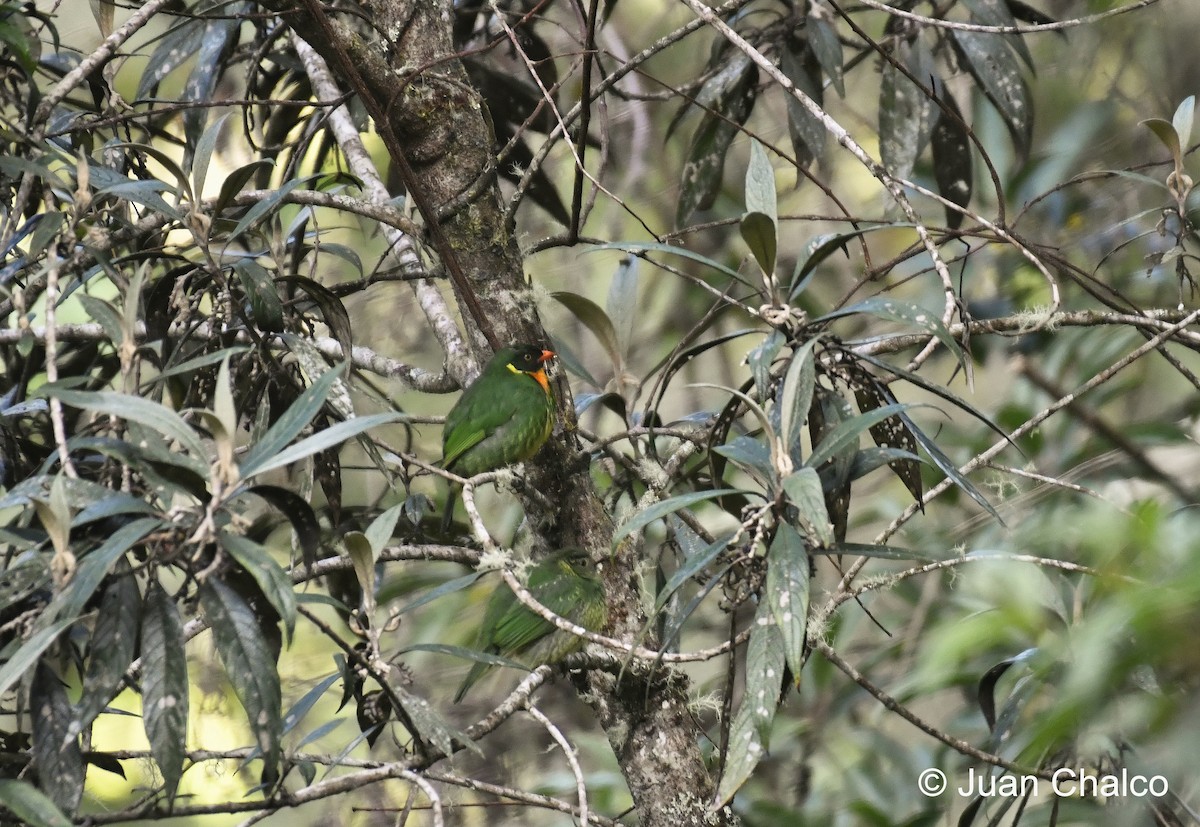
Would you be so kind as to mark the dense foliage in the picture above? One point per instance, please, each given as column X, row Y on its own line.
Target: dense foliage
column 875, row 401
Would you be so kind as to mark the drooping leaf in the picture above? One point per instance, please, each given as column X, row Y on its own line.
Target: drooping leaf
column 113, row 645
column 825, row 44
column 787, row 590
column 800, row 63
column 220, row 35
column 986, row 691
column 947, row 467
column 761, row 359
column 702, row 173
column 262, row 293
column 829, row 410
column 299, row 513
column 251, row 668
column 906, row 113
column 595, row 319
column 276, row 586
column 202, row 156
column 871, row 394
column 748, row 737
column 94, row 565
column 991, row 62
column 333, row 311
column 693, row 564
column 55, row 750
column 335, row 434
column 952, row 163
column 164, row 685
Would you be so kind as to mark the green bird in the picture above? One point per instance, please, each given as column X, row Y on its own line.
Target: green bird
column 503, row 417
column 565, row 583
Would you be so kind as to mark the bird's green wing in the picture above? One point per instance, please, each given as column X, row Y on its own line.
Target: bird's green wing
column 519, row 627
column 477, row 415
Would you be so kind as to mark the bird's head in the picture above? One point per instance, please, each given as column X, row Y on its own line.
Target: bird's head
column 530, row 360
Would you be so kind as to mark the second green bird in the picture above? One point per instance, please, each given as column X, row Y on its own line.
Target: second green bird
column 566, row 584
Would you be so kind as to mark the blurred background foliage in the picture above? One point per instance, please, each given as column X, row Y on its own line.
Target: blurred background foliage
column 180, row 438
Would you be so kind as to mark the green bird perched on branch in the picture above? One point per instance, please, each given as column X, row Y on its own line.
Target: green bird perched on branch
column 505, row 415
column 566, row 584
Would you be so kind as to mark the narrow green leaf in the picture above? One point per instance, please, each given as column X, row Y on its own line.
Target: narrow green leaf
column 57, row 753
column 235, row 181
column 787, row 592
column 202, row 361
column 268, row 205
column 765, row 661
column 251, row 668
column 822, row 247
column 203, row 154
column 263, row 294
column 164, row 685
column 803, row 489
column 276, row 586
column 333, row 435
column 847, row 433
column 795, row 398
column 693, row 564
column 751, row 455
column 661, row 509
column 30, row 804
column 223, row 405
column 112, row 648
column 125, row 406
column 291, row 423
column 103, row 313
column 19, row 664
column 947, row 467
column 306, row 703
column 94, row 565
column 449, row 587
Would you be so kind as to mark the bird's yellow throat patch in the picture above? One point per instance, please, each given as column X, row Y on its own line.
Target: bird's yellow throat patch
column 538, row 376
